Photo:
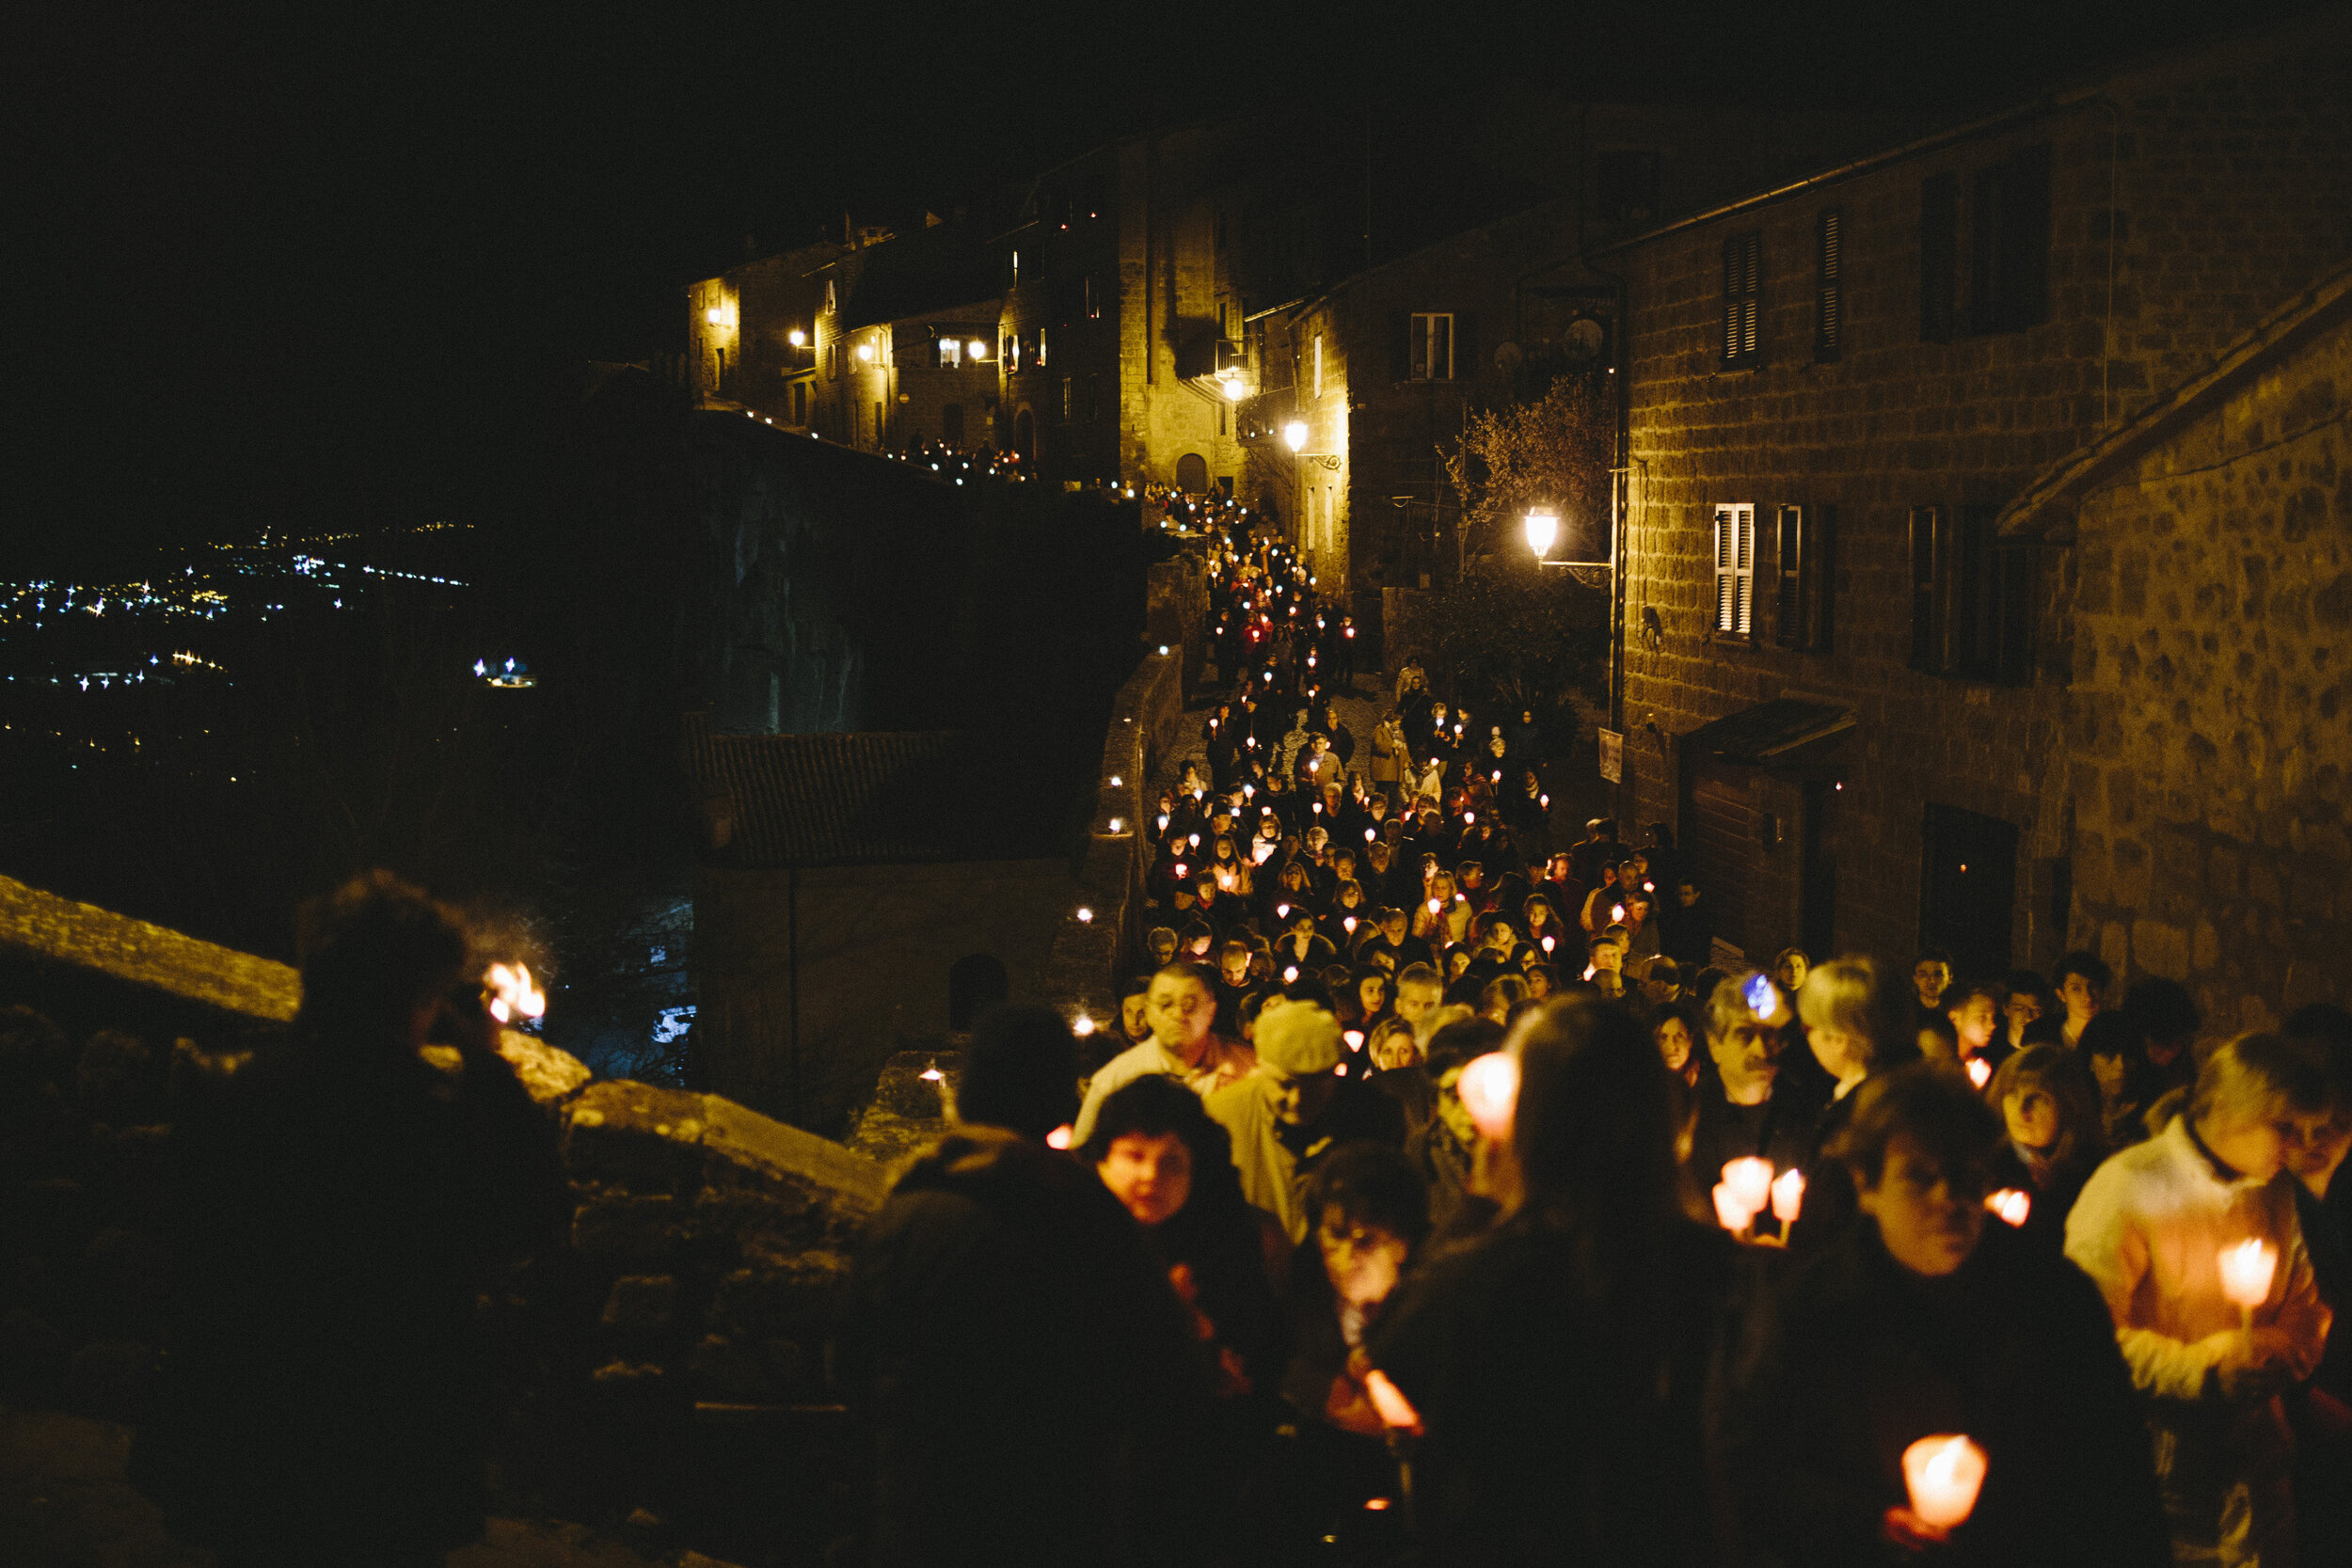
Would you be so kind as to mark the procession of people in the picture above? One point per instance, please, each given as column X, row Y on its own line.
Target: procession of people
column 1454, row 1195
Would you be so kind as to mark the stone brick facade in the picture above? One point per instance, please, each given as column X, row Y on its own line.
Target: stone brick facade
column 2204, row 735
column 2186, row 199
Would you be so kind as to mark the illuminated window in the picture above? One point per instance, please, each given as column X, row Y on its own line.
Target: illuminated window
column 1318, row 364
column 1011, row 352
column 1095, row 299
column 1068, row 399
column 1016, row 266
column 1429, row 346
column 1040, row 348
column 951, row 353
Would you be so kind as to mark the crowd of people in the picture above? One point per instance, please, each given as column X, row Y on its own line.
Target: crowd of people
column 1446, row 1198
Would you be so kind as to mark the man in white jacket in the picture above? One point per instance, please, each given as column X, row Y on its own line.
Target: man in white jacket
column 2150, row 1230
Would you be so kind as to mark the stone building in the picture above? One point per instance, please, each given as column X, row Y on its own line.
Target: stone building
column 751, row 334
column 2201, row 750
column 1122, row 310
column 1843, row 683
column 904, row 340
column 1383, row 351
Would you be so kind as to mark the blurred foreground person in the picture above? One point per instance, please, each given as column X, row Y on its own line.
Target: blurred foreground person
column 2150, row 1229
column 1026, row 1375
column 1922, row 1319
column 343, row 1200
column 1557, row 1362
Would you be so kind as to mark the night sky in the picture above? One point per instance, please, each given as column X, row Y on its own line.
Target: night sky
column 310, row 270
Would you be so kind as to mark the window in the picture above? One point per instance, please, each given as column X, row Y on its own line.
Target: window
column 1318, row 364
column 1010, row 353
column 1040, row 361
column 2009, row 250
column 1939, row 255
column 950, row 355
column 800, row 402
column 1016, row 266
column 951, row 424
column 1735, row 571
column 1625, row 184
column 1068, row 399
column 1430, row 347
column 1829, row 304
column 1093, row 298
column 1807, row 562
column 1743, row 262
column 833, row 358
column 1971, row 598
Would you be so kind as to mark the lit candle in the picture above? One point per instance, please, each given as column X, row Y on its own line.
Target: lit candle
column 1081, row 1025
column 1732, row 1215
column 1787, row 1196
column 1085, row 914
column 1980, row 1072
column 2247, row 1271
column 1751, row 1177
column 2012, row 1203
column 1390, row 1401
column 1488, row 1089
column 1059, row 1137
column 1942, row 1473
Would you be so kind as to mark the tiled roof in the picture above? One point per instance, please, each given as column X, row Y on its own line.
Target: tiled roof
column 868, row 799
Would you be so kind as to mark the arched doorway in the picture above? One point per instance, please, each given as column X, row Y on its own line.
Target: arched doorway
column 1024, row 437
column 1192, row 473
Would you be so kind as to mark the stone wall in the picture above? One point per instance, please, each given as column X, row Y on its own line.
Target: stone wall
column 2207, row 732
column 2208, row 188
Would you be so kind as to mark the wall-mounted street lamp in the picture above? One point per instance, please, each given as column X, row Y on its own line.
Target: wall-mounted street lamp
column 1543, row 529
column 1294, row 436
column 716, row 316
column 866, row 353
column 977, row 348
column 796, row 336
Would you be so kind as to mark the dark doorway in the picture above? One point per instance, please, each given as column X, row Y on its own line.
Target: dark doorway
column 1719, row 840
column 1192, row 473
column 1817, row 892
column 951, row 424
column 976, row 983
column 1968, row 889
column 1024, row 437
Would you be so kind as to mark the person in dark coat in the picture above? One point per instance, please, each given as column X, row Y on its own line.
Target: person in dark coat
column 1926, row 1320
column 1027, row 1379
column 342, row 1198
column 1558, row 1362
column 1746, row 1107
column 2049, row 1107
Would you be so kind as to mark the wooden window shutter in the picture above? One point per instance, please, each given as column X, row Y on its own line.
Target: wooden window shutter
column 1926, row 545
column 1735, row 570
column 1939, row 255
column 1742, row 265
column 1788, row 558
column 1974, row 606
column 1829, row 300
column 1820, row 565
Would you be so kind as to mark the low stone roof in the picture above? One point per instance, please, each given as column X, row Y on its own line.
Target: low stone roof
column 2049, row 505
column 877, row 797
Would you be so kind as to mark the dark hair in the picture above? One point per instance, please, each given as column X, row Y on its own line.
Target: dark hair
column 1931, row 1105
column 371, row 952
column 1155, row 1106
column 1463, row 1040
column 1933, row 953
column 1595, row 1133
column 1370, row 1185
column 2087, row 964
column 2320, row 1020
column 1134, row 984
column 2161, row 1009
column 1021, row 1073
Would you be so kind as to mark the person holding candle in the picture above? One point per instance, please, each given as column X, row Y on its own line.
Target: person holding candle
column 2050, row 1110
column 1922, row 1321
column 1743, row 1108
column 2152, row 1228
column 1557, row 1359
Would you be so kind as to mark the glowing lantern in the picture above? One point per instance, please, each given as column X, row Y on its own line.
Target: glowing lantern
column 1944, row 1473
column 1542, row 527
column 2247, row 1269
column 1488, row 1089
column 2012, row 1203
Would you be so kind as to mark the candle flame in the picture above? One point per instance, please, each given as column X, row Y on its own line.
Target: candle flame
column 2012, row 1203
column 513, row 994
column 1081, row 1025
column 1980, row 1072
column 1390, row 1401
column 1943, row 1474
column 1751, row 1177
column 1789, row 1195
column 2247, row 1271
column 1059, row 1137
